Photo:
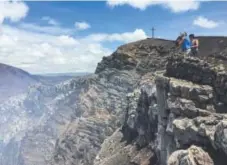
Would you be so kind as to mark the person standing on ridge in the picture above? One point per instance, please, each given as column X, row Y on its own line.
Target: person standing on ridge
column 184, row 42
column 194, row 45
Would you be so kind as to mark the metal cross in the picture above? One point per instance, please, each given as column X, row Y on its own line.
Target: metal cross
column 153, row 29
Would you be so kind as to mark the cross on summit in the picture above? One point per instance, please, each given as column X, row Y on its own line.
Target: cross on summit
column 153, row 29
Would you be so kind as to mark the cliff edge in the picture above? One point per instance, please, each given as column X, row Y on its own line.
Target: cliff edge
column 177, row 117
column 147, row 104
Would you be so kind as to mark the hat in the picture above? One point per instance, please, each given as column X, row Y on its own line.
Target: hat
column 183, row 34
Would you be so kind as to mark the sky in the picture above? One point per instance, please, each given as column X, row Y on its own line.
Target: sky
column 62, row 37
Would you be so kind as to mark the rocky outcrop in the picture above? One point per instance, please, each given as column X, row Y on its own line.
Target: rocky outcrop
column 193, row 155
column 179, row 114
column 115, row 151
column 188, row 113
column 143, row 56
column 106, row 100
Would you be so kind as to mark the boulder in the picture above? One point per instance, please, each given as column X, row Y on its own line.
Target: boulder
column 192, row 156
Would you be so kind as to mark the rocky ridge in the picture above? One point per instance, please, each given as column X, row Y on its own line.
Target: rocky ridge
column 180, row 119
column 117, row 75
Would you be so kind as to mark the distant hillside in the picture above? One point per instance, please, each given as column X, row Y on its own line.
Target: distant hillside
column 55, row 78
column 14, row 80
column 65, row 74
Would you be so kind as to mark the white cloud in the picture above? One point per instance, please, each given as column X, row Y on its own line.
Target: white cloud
column 138, row 34
column 55, row 30
column 50, row 20
column 66, row 41
column 82, row 25
column 48, row 49
column 182, row 6
column 47, row 53
column 173, row 5
column 205, row 23
column 1, row 19
column 14, row 11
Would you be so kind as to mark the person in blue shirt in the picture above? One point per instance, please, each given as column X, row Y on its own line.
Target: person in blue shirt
column 184, row 42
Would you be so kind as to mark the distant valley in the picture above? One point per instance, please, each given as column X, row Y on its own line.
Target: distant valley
column 34, row 109
column 14, row 81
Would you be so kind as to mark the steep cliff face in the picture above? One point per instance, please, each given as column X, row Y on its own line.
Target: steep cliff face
column 176, row 118
column 106, row 99
column 98, row 115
